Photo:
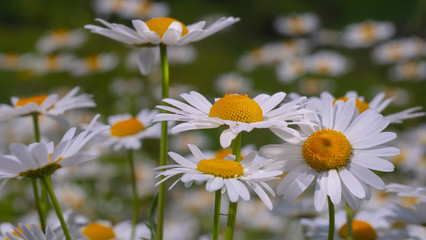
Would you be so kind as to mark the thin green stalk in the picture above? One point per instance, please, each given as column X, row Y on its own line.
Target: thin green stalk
column 38, row 205
column 331, row 227
column 349, row 216
column 163, row 143
column 48, row 184
column 135, row 211
column 216, row 214
column 36, row 127
column 232, row 212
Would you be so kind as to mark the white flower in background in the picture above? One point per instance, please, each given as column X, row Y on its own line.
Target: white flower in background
column 237, row 111
column 123, row 87
column 273, row 53
column 367, row 33
column 94, row 64
column 156, row 31
column 366, row 225
column 411, row 70
column 61, row 38
column 313, row 85
column 51, row 63
column 336, row 154
column 72, row 196
column 400, row 49
column 400, row 95
column 413, row 218
column 291, row 69
column 226, row 174
column 32, row 232
column 175, row 90
column 179, row 142
column 379, row 103
column 297, row 24
column 327, row 63
column 143, row 9
column 120, row 231
column 127, row 131
column 232, row 82
column 50, row 105
column 40, row 159
column 407, row 191
column 15, row 62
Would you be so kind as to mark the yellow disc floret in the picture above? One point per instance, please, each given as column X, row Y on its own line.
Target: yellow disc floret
column 35, row 99
column 161, row 24
column 221, row 168
column 326, row 149
column 361, row 231
column 236, row 107
column 127, row 127
column 361, row 105
column 96, row 231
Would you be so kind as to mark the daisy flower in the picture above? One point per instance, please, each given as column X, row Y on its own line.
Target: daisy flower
column 413, row 218
column 32, row 232
column 379, row 103
column 156, row 31
column 94, row 64
column 51, row 63
column 411, row 70
column 407, row 191
column 361, row 35
column 127, row 131
column 120, row 231
column 61, row 38
column 49, row 105
column 11, row 61
column 297, row 24
column 366, row 225
column 232, row 82
column 226, row 174
column 291, row 69
column 238, row 112
column 327, row 63
column 337, row 154
column 397, row 50
column 41, row 159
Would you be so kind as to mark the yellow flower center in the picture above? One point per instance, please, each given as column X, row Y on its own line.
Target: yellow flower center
column 93, row 62
column 236, row 107
column 96, row 231
column 52, row 62
column 222, row 153
column 326, row 149
column 369, row 31
column 60, row 35
column 11, row 59
column 161, row 24
column 127, row 127
column 35, row 99
column 361, row 105
column 220, row 168
column 296, row 24
column 361, row 231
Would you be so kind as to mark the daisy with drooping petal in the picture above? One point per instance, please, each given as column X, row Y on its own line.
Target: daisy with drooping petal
column 49, row 105
column 127, row 131
column 366, row 225
column 337, row 154
column 378, row 103
column 226, row 174
column 238, row 112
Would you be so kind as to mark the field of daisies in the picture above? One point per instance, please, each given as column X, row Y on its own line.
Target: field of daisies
column 181, row 120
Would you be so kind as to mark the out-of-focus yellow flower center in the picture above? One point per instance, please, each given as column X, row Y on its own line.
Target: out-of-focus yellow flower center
column 368, row 30
column 361, row 231
column 92, row 62
column 35, row 99
column 127, row 127
column 238, row 108
column 220, row 168
column 96, row 231
column 52, row 62
column 326, row 149
column 161, row 24
column 222, row 153
column 60, row 35
column 361, row 105
column 296, row 24
column 11, row 59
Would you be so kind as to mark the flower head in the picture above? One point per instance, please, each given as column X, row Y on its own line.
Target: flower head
column 40, row 159
column 225, row 174
column 238, row 112
column 361, row 35
column 30, row 233
column 337, row 153
column 49, row 105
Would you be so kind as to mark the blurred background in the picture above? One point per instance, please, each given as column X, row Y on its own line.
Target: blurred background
column 295, row 46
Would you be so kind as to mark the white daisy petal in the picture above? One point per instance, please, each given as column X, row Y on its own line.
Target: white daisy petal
column 367, row 176
column 320, row 195
column 334, row 186
column 374, row 163
column 232, row 192
column 351, row 183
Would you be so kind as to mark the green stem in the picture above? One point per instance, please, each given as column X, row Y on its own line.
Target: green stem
column 48, row 184
column 232, row 212
column 216, row 214
column 331, row 227
column 163, row 143
column 39, row 205
column 135, row 212
column 349, row 216
column 36, row 127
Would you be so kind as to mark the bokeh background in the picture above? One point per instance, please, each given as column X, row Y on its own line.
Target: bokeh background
column 121, row 88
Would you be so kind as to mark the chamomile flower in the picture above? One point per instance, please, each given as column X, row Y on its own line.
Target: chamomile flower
column 15, row 62
column 40, row 159
column 336, row 154
column 297, row 24
column 397, row 50
column 49, row 105
column 327, row 63
column 120, row 231
column 379, row 103
column 366, row 225
column 127, row 131
column 143, row 9
column 411, row 70
column 367, row 33
column 232, row 82
column 61, row 38
column 238, row 112
column 407, row 191
column 94, row 64
column 291, row 69
column 51, row 63
column 32, row 232
column 412, row 218
column 228, row 175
